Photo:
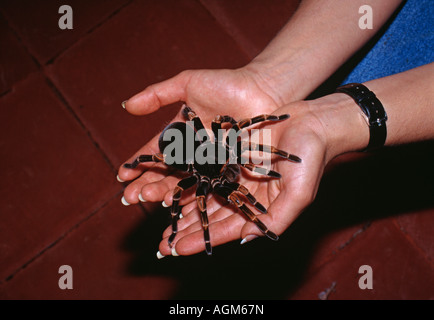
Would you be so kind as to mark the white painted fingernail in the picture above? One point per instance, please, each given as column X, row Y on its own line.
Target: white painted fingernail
column 174, row 253
column 248, row 238
column 119, row 179
column 159, row 255
column 181, row 216
column 164, row 204
column 123, row 103
column 124, row 202
column 141, row 198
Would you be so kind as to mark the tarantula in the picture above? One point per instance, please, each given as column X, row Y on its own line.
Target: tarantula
column 208, row 174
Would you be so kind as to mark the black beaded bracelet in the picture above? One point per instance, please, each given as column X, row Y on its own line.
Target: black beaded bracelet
column 374, row 111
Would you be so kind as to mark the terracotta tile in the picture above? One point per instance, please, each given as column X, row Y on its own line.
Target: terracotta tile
column 418, row 227
column 252, row 23
column 331, row 244
column 15, row 61
column 100, row 253
column 36, row 22
column 52, row 174
column 146, row 42
column 359, row 189
column 399, row 271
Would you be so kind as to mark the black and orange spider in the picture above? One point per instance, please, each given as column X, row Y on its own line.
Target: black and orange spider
column 221, row 167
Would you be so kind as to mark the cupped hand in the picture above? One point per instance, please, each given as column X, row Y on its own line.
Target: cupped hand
column 239, row 93
column 301, row 135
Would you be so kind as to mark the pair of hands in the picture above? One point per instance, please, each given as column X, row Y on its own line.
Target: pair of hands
column 241, row 94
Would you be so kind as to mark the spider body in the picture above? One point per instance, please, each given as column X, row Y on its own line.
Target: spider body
column 214, row 165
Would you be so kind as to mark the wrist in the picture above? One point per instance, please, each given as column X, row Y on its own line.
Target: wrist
column 282, row 81
column 342, row 124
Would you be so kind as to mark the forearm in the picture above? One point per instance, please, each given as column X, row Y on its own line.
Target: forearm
column 408, row 99
column 317, row 40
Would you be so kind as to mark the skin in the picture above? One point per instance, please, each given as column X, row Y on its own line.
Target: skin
column 292, row 66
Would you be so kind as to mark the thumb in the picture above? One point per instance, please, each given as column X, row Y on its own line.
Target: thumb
column 281, row 214
column 159, row 94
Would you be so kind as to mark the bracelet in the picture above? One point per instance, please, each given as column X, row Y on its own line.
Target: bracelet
column 374, row 111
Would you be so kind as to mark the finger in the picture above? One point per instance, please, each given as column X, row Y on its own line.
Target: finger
column 192, row 219
column 212, row 204
column 155, row 191
column 188, row 208
column 187, row 197
column 156, row 174
column 281, row 214
column 159, row 94
column 126, row 174
column 184, row 223
column 191, row 241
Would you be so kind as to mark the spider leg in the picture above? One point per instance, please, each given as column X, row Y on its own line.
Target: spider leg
column 246, row 145
column 261, row 118
column 242, row 189
column 232, row 197
column 219, row 120
column 216, row 125
column 198, row 125
column 261, row 170
column 238, row 126
column 157, row 157
column 182, row 185
column 201, row 193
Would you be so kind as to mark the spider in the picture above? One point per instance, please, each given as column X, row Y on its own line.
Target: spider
column 210, row 175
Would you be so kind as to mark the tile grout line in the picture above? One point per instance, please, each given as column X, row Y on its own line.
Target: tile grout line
column 87, row 33
column 242, row 42
column 54, row 89
column 335, row 251
column 57, row 55
column 18, row 38
column 58, row 240
column 364, row 227
column 63, row 100
column 411, row 241
column 59, row 95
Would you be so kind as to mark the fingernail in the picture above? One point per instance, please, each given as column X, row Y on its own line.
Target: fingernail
column 123, row 103
column 164, row 204
column 159, row 255
column 181, row 216
column 124, row 202
column 119, row 179
column 141, row 198
column 248, row 238
column 174, row 253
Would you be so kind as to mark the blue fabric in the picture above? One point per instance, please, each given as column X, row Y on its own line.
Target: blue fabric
column 407, row 43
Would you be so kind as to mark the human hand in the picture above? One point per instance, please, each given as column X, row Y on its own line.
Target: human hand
column 313, row 133
column 239, row 93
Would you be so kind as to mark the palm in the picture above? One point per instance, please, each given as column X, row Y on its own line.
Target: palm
column 234, row 93
column 226, row 92
column 209, row 93
column 285, row 198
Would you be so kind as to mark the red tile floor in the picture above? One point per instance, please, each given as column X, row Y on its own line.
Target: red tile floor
column 64, row 133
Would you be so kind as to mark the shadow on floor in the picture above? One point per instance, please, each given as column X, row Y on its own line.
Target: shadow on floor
column 394, row 181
